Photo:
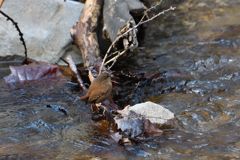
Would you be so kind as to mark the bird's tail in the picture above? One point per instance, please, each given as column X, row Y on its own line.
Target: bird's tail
column 81, row 98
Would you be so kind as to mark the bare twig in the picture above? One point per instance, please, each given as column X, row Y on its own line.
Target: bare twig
column 142, row 21
column 113, row 53
column 100, row 69
column 18, row 29
column 114, row 59
column 135, row 88
column 74, row 69
column 1, row 2
column 63, row 60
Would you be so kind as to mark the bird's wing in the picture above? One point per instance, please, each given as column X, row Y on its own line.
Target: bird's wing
column 96, row 94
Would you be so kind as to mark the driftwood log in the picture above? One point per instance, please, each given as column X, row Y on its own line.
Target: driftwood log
column 84, row 32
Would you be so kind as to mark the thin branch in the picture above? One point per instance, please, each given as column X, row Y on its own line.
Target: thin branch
column 167, row 10
column 64, row 60
column 148, row 10
column 115, row 58
column 18, row 29
column 134, row 27
column 100, row 69
column 113, row 53
column 74, row 69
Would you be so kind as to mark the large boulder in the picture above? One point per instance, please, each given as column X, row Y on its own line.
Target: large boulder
column 45, row 25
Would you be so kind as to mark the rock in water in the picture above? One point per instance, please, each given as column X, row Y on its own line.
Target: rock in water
column 150, row 109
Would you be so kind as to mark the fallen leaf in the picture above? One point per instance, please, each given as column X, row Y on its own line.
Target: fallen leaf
column 33, row 71
column 134, row 125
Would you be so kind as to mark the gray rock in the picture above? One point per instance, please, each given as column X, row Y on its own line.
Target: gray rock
column 150, row 109
column 45, row 25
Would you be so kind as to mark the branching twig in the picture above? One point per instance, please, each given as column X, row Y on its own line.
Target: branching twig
column 18, row 29
column 114, row 59
column 74, row 69
column 113, row 53
column 142, row 21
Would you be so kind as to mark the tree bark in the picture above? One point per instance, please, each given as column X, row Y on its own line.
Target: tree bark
column 84, row 32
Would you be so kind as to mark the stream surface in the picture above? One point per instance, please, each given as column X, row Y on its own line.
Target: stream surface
column 196, row 51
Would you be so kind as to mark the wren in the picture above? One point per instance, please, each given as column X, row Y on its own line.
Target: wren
column 99, row 90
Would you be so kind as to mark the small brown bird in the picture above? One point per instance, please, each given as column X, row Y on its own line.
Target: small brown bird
column 99, row 90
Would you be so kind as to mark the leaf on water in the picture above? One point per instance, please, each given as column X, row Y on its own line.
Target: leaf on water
column 65, row 70
column 130, row 126
column 134, row 125
column 33, row 71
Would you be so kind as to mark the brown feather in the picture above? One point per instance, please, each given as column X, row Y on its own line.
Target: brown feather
column 81, row 98
column 99, row 90
column 96, row 95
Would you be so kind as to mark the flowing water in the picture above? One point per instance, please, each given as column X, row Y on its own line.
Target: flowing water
column 196, row 51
